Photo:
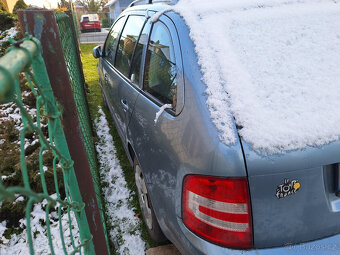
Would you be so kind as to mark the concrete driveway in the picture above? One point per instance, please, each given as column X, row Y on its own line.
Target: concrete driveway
column 163, row 250
column 94, row 37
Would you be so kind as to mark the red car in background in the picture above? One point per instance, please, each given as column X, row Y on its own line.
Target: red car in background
column 89, row 23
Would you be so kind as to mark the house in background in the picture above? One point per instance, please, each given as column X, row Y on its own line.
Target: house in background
column 79, row 8
column 10, row 4
column 116, row 7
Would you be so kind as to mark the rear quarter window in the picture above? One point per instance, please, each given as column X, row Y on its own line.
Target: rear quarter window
column 160, row 75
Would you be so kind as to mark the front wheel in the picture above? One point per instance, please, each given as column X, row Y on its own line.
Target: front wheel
column 149, row 216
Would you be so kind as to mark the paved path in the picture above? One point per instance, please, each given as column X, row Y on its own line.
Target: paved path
column 163, row 250
column 94, row 37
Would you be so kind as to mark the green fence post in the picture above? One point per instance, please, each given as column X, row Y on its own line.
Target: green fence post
column 20, row 58
column 42, row 24
column 39, row 69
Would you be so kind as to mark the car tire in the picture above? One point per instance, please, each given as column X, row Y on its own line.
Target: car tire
column 148, row 213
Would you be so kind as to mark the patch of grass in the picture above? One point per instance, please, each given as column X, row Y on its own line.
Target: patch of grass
column 94, row 100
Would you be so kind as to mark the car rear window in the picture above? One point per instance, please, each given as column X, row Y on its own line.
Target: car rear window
column 160, row 77
column 127, row 43
column 89, row 17
column 273, row 69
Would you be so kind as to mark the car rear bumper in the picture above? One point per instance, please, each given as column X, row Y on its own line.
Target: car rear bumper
column 91, row 26
column 192, row 244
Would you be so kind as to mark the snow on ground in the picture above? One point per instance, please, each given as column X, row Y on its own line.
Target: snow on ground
column 273, row 66
column 17, row 243
column 10, row 112
column 124, row 227
column 8, row 33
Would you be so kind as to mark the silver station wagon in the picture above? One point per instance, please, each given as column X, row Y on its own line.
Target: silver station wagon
column 229, row 112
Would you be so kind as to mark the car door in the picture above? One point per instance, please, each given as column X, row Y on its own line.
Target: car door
column 156, row 141
column 108, row 82
column 127, row 66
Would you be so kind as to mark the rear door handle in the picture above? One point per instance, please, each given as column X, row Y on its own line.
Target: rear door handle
column 106, row 78
column 124, row 104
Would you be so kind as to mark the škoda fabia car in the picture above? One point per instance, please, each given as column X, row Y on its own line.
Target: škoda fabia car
column 230, row 114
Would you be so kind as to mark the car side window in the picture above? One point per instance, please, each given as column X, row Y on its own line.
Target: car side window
column 111, row 40
column 160, row 73
column 127, row 42
column 137, row 56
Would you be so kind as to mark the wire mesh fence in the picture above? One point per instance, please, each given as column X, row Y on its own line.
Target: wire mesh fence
column 24, row 57
column 66, row 26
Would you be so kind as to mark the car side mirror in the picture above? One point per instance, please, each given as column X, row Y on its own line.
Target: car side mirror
column 97, row 52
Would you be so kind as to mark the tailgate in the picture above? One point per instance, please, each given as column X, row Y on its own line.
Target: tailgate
column 293, row 195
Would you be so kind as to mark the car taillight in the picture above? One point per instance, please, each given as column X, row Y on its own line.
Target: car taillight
column 218, row 210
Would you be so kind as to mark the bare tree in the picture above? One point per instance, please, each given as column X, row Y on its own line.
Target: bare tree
column 64, row 4
column 93, row 5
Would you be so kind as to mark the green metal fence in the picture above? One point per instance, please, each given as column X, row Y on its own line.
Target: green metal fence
column 68, row 35
column 25, row 57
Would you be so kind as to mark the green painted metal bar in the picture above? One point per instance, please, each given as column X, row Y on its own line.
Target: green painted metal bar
column 60, row 55
column 74, row 66
column 11, row 64
column 25, row 57
column 40, row 71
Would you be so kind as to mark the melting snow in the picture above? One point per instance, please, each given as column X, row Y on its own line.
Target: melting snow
column 124, row 223
column 17, row 243
column 156, row 16
column 161, row 110
column 19, row 199
column 273, row 66
column 8, row 33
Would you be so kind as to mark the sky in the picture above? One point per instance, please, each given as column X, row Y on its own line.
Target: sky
column 43, row 3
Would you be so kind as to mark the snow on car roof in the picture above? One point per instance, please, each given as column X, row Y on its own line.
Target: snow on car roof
column 274, row 66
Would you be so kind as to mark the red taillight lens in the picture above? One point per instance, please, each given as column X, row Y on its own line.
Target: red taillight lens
column 218, row 210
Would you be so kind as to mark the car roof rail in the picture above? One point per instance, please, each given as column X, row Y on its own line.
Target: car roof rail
column 152, row 2
column 138, row 1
